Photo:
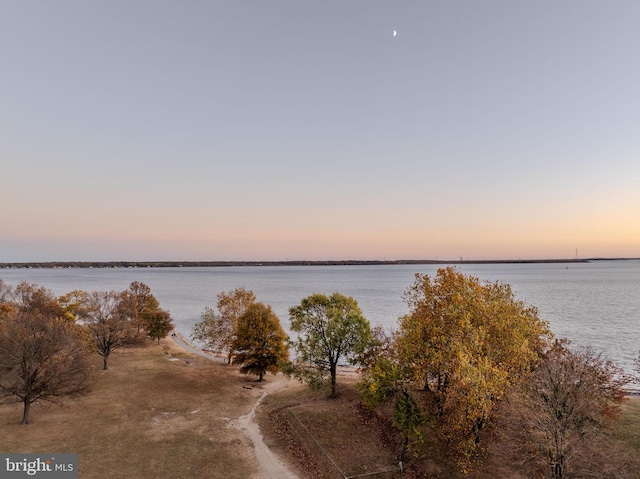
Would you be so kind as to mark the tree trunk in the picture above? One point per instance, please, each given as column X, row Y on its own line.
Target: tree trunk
column 332, row 371
column 477, row 427
column 25, row 413
column 403, row 447
column 104, row 363
column 261, row 375
column 557, row 469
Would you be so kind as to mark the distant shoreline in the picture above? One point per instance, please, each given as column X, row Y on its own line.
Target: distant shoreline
column 211, row 264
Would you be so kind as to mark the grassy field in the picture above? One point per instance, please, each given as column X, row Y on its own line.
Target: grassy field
column 151, row 415
column 628, row 427
column 160, row 412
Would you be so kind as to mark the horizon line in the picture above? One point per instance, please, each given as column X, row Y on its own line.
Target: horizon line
column 229, row 263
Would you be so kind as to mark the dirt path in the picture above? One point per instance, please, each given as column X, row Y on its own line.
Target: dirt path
column 270, row 466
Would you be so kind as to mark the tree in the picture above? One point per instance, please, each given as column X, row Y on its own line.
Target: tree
column 31, row 298
column 108, row 329
column 6, row 299
column 5, row 292
column 74, row 303
column 158, row 324
column 379, row 345
column 569, row 398
column 385, row 381
column 206, row 330
column 217, row 331
column 465, row 344
column 136, row 303
column 42, row 358
column 330, row 329
column 260, row 342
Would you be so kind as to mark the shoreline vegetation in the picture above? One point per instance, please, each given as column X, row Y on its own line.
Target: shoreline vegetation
column 172, row 399
column 213, row 264
column 169, row 405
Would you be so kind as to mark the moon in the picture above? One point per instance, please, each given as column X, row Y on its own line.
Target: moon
column 395, row 33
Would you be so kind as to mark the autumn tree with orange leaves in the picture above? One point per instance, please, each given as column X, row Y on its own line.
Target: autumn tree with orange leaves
column 461, row 347
column 43, row 353
column 260, row 343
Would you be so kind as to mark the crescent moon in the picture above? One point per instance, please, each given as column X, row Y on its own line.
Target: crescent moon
column 395, row 33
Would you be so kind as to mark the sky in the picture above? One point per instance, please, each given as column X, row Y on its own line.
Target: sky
column 285, row 130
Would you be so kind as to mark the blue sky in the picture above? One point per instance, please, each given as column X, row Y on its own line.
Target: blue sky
column 202, row 130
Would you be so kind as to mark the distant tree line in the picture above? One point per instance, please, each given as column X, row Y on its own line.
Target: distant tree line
column 201, row 264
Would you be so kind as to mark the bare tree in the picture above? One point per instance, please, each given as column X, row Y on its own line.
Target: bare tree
column 108, row 329
column 42, row 358
column 568, row 401
column 5, row 292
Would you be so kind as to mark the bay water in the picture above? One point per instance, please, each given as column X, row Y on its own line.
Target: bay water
column 593, row 304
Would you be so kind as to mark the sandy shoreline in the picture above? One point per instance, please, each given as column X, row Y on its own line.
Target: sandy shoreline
column 187, row 345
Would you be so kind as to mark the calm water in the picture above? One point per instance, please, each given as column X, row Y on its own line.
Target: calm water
column 596, row 304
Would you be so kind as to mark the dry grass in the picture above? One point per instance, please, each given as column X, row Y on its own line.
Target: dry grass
column 151, row 415
column 628, row 428
column 612, row 453
column 326, row 438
